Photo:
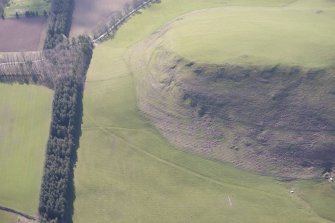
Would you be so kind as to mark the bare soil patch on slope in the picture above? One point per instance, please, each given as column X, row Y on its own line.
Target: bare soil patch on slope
column 88, row 14
column 25, row 34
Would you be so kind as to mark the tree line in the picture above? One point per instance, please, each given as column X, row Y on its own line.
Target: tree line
column 43, row 67
column 3, row 4
column 64, row 70
column 57, row 188
column 107, row 28
column 59, row 23
column 27, row 13
column 62, row 66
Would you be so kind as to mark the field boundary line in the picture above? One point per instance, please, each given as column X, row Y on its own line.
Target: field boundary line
column 20, row 213
column 21, row 62
column 120, row 21
column 107, row 79
column 112, row 127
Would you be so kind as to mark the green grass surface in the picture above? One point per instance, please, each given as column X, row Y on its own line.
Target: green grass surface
column 312, row 191
column 24, row 126
column 167, row 79
column 293, row 35
column 126, row 172
column 7, row 218
column 21, row 6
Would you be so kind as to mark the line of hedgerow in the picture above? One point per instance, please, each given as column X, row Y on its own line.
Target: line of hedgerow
column 57, row 188
column 59, row 22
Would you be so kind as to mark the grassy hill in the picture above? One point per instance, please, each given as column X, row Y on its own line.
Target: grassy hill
column 24, row 126
column 127, row 172
column 297, row 35
column 249, row 85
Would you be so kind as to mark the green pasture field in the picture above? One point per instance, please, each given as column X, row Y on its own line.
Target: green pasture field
column 127, row 172
column 25, row 115
column 21, row 6
column 7, row 218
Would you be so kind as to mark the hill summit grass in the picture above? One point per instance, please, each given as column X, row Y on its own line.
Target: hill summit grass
column 299, row 34
column 127, row 172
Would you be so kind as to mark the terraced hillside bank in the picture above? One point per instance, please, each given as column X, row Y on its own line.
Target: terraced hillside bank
column 129, row 173
column 245, row 95
column 274, row 120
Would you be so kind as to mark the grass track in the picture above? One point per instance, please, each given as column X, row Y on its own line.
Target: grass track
column 24, row 126
column 127, row 172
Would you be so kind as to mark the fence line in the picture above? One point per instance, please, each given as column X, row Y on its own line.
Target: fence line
column 120, row 21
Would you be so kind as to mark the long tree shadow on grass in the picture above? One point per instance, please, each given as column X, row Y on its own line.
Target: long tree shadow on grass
column 71, row 193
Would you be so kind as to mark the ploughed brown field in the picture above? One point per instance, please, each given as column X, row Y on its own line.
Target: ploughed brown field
column 88, row 14
column 24, row 34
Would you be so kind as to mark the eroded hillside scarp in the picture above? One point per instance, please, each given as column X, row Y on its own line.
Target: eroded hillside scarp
column 275, row 118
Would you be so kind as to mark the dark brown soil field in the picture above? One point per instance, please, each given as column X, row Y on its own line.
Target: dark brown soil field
column 22, row 34
column 88, row 14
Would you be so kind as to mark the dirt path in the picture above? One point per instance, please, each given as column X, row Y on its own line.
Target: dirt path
column 230, row 202
column 19, row 213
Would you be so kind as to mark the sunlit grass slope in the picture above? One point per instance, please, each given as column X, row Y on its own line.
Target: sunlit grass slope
column 181, row 83
column 25, row 113
column 293, row 35
column 126, row 172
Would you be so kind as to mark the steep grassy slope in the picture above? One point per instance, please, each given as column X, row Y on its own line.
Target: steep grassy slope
column 249, row 85
column 24, row 125
column 127, row 172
